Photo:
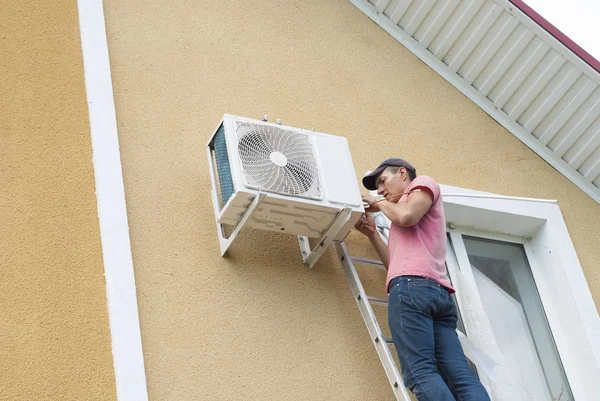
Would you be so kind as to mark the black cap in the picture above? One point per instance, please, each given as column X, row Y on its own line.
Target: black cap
column 369, row 181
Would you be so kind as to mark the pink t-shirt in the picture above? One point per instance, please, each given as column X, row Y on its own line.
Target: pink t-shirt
column 420, row 250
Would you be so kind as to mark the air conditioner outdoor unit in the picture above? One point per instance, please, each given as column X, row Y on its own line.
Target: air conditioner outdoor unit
column 278, row 178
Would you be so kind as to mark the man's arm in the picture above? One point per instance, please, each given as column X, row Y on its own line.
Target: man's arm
column 409, row 213
column 366, row 225
column 381, row 248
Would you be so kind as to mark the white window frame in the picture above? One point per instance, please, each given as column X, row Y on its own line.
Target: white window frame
column 563, row 289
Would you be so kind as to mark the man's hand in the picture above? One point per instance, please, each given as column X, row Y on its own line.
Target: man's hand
column 366, row 225
column 371, row 200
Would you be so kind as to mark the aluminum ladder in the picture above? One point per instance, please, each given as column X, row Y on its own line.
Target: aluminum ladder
column 364, row 302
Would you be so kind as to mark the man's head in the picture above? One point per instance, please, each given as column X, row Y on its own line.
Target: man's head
column 391, row 177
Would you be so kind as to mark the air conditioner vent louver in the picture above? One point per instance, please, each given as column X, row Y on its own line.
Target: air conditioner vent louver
column 278, row 160
column 223, row 166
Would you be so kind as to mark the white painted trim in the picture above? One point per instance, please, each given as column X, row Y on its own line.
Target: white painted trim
column 500, row 197
column 495, row 236
column 563, row 289
column 479, row 99
column 547, row 37
column 121, row 297
column 486, row 196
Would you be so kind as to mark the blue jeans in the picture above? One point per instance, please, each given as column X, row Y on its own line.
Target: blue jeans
column 422, row 318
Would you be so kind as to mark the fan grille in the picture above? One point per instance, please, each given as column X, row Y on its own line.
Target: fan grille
column 278, row 160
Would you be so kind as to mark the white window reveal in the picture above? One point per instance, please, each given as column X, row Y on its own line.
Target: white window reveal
column 523, row 300
column 505, row 285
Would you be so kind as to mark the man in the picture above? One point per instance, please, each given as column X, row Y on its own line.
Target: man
column 421, row 313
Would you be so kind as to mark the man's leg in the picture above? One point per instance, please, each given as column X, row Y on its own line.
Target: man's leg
column 450, row 357
column 411, row 324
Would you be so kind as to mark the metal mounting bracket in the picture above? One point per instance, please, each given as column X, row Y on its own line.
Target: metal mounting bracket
column 311, row 256
column 225, row 242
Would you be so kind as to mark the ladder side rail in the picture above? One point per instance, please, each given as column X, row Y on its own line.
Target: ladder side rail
column 373, row 327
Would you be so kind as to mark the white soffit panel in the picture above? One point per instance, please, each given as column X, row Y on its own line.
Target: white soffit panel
column 506, row 63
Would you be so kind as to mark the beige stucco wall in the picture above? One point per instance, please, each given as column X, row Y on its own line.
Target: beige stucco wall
column 54, row 334
column 257, row 325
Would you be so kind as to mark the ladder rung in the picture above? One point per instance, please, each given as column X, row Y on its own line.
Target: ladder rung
column 378, row 301
column 366, row 261
column 388, row 340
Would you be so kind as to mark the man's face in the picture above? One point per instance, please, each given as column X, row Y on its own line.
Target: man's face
column 389, row 184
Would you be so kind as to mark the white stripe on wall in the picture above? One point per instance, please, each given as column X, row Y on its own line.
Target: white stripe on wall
column 114, row 231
